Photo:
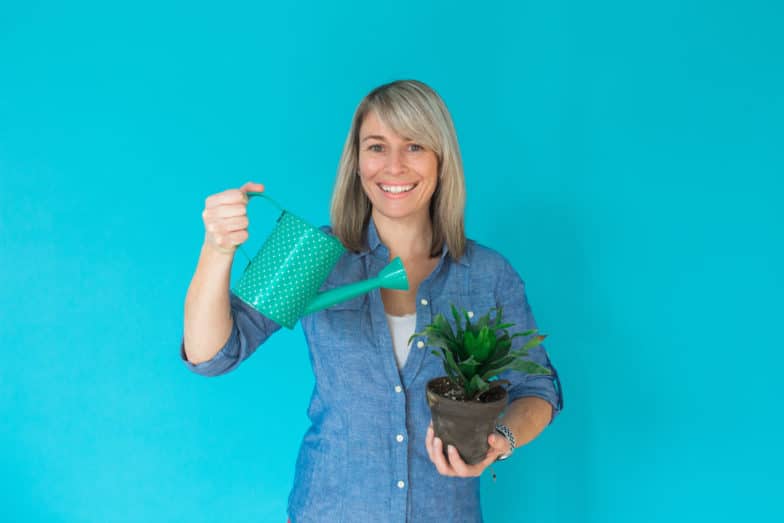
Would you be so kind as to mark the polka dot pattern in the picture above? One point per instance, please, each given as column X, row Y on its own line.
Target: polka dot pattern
column 288, row 270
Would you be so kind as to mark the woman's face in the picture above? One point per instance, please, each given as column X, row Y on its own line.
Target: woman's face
column 398, row 175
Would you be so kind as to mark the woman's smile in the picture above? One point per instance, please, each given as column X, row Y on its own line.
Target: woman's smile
column 397, row 191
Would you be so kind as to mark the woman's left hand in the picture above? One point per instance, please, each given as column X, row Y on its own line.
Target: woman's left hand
column 455, row 466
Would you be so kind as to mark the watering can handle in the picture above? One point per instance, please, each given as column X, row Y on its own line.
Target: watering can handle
column 251, row 194
column 273, row 202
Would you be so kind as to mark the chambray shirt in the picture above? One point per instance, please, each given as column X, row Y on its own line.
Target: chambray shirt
column 364, row 458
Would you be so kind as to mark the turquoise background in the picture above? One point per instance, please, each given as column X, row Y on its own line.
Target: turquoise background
column 626, row 157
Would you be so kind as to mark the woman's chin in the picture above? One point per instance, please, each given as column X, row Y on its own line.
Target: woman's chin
column 400, row 212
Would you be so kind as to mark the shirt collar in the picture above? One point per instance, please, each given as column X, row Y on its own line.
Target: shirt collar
column 380, row 250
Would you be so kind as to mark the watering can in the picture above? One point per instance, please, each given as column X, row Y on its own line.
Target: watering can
column 283, row 279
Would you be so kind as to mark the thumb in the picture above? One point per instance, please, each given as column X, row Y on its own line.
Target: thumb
column 498, row 444
column 252, row 187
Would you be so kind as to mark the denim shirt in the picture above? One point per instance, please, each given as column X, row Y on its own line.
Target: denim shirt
column 364, row 457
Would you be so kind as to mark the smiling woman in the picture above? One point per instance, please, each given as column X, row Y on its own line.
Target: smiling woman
column 369, row 455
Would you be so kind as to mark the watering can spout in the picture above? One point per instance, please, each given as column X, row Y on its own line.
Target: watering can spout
column 393, row 276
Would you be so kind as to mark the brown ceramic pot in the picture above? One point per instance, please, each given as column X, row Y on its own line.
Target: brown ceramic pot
column 464, row 424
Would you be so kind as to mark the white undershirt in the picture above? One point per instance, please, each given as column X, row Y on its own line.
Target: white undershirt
column 401, row 328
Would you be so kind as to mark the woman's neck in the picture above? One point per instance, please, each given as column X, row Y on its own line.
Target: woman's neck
column 409, row 238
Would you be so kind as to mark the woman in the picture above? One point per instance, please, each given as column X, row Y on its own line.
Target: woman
column 370, row 454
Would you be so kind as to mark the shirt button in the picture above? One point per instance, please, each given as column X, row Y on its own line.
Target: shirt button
column 421, row 344
column 423, row 301
column 470, row 314
column 398, row 388
column 401, row 484
column 399, row 438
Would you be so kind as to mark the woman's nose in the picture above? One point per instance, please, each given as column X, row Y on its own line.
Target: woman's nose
column 395, row 161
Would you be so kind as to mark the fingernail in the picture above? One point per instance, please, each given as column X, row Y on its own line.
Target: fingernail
column 451, row 448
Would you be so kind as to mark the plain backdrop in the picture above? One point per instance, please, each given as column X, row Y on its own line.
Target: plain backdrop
column 626, row 157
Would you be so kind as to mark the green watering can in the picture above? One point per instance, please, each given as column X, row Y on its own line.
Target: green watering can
column 283, row 279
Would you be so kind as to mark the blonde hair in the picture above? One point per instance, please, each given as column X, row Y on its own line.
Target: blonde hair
column 414, row 110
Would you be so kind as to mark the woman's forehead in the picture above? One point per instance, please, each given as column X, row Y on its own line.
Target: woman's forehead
column 387, row 126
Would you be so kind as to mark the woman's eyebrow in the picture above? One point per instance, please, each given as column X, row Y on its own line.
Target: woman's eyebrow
column 373, row 137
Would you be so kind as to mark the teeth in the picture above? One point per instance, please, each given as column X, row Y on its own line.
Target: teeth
column 396, row 189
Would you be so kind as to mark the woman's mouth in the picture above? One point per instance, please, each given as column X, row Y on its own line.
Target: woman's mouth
column 397, row 189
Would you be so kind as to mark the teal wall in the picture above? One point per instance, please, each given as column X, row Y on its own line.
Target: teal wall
column 626, row 157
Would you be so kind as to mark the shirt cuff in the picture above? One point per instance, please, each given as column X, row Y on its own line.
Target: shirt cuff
column 218, row 363
column 547, row 388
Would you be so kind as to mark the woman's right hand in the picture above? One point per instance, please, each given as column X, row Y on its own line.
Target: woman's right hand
column 226, row 219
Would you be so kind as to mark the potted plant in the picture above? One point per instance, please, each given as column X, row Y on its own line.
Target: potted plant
column 466, row 403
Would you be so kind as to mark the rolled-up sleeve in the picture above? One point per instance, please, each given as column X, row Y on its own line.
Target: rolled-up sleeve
column 249, row 330
column 512, row 297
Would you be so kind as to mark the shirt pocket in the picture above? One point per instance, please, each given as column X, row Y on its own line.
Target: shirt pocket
column 344, row 319
column 475, row 305
column 340, row 345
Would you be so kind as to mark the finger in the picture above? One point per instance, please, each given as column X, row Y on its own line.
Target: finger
column 229, row 241
column 252, row 187
column 497, row 443
column 225, row 211
column 225, row 197
column 442, row 466
column 237, row 223
column 457, row 463
column 491, row 458
column 237, row 238
column 429, row 442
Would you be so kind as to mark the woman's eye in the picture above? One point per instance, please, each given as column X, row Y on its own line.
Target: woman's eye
column 414, row 147
column 376, row 148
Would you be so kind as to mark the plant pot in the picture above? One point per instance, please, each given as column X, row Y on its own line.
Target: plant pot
column 464, row 424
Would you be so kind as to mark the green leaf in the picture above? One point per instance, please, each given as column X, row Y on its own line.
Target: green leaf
column 449, row 371
column 439, row 341
column 469, row 326
column 456, row 316
column 452, row 364
column 533, row 342
column 502, row 347
column 497, row 367
column 469, row 367
column 442, row 326
column 485, row 343
column 526, row 333
column 479, row 345
column 470, row 342
column 530, row 367
column 484, row 321
column 475, row 387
